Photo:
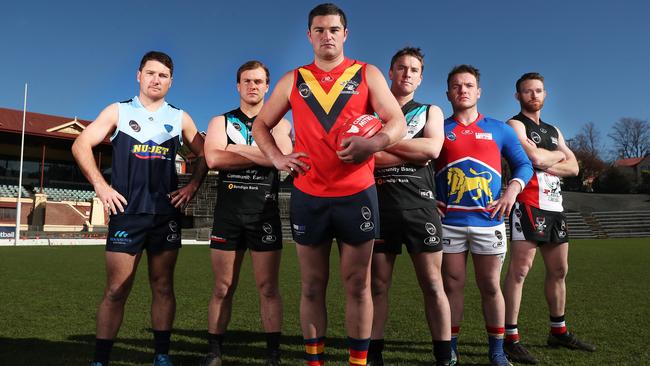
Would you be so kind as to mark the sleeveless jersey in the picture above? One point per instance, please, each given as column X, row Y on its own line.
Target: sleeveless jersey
column 468, row 169
column 543, row 191
column 407, row 186
column 145, row 144
column 250, row 190
column 321, row 102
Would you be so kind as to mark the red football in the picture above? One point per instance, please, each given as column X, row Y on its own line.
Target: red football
column 366, row 125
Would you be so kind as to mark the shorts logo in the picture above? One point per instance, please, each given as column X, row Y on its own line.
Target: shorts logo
column 563, row 225
column 431, row 240
column 540, row 224
column 518, row 227
column 425, row 193
column 134, row 125
column 267, row 228
column 498, row 234
column 120, row 234
column 350, row 87
column 120, row 237
column 365, row 212
column 304, row 90
column 217, row 239
column 499, row 242
column 430, row 228
column 535, row 137
column 518, row 212
column 367, row 226
column 561, row 234
column 451, row 136
column 299, row 229
column 169, row 128
column 173, row 237
column 446, row 241
column 268, row 239
column 173, row 226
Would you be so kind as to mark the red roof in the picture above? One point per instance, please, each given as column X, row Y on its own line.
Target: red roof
column 628, row 162
column 38, row 124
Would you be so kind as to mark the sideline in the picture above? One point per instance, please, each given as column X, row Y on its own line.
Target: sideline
column 75, row 242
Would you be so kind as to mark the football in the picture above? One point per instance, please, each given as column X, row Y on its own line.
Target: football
column 366, row 125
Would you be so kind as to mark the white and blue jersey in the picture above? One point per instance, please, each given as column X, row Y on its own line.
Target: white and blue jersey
column 468, row 169
column 145, row 144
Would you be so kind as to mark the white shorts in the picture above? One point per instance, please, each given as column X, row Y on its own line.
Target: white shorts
column 478, row 240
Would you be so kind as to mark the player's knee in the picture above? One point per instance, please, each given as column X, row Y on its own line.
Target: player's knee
column 559, row 273
column 432, row 289
column 519, row 273
column 268, row 290
column 356, row 285
column 117, row 293
column 379, row 287
column 489, row 289
column 223, row 291
column 313, row 290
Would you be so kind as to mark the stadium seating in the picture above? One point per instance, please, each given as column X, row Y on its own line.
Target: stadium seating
column 12, row 191
column 623, row 224
column 64, row 194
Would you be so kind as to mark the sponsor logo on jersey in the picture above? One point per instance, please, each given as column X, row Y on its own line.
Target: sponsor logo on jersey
column 467, row 132
column 366, row 213
column 350, row 87
column 451, row 136
column 554, row 140
column 425, row 193
column 483, row 136
column 304, row 90
column 476, row 186
column 147, row 151
column 169, row 128
column 535, row 137
column 327, row 79
column 134, row 126
column 367, row 226
column 430, row 228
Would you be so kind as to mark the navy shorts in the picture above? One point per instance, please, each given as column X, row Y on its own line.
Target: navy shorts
column 237, row 231
column 537, row 225
column 350, row 219
column 419, row 229
column 135, row 233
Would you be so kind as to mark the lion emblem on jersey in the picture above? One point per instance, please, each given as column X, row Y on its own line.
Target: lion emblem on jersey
column 459, row 184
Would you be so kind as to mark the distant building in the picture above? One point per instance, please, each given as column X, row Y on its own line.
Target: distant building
column 634, row 166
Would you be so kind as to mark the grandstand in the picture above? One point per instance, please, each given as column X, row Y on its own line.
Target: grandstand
column 11, row 191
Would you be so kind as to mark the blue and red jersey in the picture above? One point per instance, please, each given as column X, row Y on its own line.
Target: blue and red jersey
column 468, row 169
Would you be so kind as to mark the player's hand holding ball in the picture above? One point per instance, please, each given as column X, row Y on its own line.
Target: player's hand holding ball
column 353, row 140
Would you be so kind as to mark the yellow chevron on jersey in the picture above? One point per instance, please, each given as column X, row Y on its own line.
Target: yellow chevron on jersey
column 327, row 100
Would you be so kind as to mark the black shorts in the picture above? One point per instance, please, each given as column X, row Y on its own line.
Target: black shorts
column 260, row 232
column 419, row 229
column 538, row 226
column 135, row 233
column 350, row 219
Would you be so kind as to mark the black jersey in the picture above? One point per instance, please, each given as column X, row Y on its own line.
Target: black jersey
column 250, row 190
column 145, row 144
column 407, row 186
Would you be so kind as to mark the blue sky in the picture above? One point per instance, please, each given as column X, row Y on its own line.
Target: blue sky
column 79, row 56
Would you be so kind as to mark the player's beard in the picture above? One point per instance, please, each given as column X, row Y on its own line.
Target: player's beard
column 532, row 108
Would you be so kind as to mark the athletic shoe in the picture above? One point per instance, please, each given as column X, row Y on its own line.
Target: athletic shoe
column 454, row 358
column 518, row 353
column 376, row 359
column 273, row 359
column 96, row 364
column 499, row 360
column 162, row 360
column 212, row 359
column 569, row 340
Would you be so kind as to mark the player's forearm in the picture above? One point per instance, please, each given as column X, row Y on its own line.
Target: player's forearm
column 265, row 141
column 417, row 151
column 200, row 170
column 565, row 168
column 384, row 159
column 226, row 160
column 394, row 130
column 251, row 153
column 543, row 159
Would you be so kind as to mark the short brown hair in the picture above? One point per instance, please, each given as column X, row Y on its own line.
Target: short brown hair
column 161, row 57
column 252, row 65
column 409, row 51
column 462, row 69
column 327, row 9
column 528, row 76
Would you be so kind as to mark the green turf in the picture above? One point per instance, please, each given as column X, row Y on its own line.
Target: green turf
column 49, row 295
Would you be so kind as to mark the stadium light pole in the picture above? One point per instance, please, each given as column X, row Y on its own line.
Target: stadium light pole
column 20, row 171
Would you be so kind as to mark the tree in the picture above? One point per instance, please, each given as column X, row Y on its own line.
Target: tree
column 586, row 146
column 631, row 138
column 587, row 140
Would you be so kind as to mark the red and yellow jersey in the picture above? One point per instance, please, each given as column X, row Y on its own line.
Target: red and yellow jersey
column 321, row 101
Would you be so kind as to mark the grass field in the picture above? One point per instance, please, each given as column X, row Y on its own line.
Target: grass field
column 49, row 295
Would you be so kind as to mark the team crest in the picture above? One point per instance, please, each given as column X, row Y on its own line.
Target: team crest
column 134, row 126
column 169, row 128
column 350, row 87
column 451, row 136
column 540, row 224
column 535, row 137
column 476, row 186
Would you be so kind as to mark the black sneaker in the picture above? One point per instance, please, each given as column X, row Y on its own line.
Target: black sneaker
column 376, row 359
column 570, row 341
column 273, row 358
column 518, row 353
column 212, row 359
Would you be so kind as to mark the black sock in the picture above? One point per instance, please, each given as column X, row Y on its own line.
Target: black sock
column 376, row 346
column 442, row 351
column 161, row 340
column 103, row 349
column 215, row 341
column 273, row 341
